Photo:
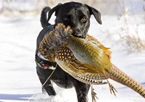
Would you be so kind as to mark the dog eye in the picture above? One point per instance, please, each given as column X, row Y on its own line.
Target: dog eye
column 66, row 19
column 84, row 19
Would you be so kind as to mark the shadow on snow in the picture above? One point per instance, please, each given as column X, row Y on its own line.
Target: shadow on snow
column 23, row 97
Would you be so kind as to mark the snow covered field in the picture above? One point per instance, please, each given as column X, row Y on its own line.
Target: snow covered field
column 18, row 78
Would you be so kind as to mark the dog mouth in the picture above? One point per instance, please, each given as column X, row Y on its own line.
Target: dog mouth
column 79, row 34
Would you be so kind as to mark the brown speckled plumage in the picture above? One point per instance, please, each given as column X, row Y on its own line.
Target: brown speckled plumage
column 86, row 60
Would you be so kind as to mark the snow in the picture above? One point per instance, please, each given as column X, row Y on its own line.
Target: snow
column 19, row 81
column 17, row 41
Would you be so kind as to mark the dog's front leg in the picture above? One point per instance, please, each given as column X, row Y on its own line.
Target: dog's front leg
column 49, row 88
column 81, row 90
column 43, row 75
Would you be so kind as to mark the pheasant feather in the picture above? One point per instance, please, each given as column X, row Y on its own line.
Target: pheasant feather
column 86, row 60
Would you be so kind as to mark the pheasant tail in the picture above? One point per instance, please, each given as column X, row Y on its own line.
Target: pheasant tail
column 119, row 76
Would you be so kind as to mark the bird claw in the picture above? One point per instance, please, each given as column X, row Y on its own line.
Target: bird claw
column 112, row 89
column 94, row 95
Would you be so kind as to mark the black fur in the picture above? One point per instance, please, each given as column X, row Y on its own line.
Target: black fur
column 77, row 16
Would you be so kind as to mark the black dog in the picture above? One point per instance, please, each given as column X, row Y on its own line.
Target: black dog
column 77, row 16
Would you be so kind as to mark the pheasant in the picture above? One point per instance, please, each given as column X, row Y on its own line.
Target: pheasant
column 87, row 60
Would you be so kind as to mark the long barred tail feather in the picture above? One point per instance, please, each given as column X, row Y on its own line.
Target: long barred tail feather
column 119, row 76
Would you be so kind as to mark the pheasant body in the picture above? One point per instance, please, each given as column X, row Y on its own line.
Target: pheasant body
column 86, row 60
column 80, row 71
column 89, row 53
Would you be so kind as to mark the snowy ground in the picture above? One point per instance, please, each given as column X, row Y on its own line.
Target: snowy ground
column 18, row 78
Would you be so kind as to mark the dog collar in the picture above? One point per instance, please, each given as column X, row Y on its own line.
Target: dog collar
column 43, row 63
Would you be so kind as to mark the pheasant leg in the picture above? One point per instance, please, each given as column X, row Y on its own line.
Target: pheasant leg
column 94, row 95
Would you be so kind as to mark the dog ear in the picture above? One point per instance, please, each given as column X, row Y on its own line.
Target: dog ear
column 96, row 14
column 55, row 9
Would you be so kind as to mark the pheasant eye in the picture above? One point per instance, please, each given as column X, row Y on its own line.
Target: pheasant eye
column 84, row 19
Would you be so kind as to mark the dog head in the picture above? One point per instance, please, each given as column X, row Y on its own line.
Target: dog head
column 76, row 15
